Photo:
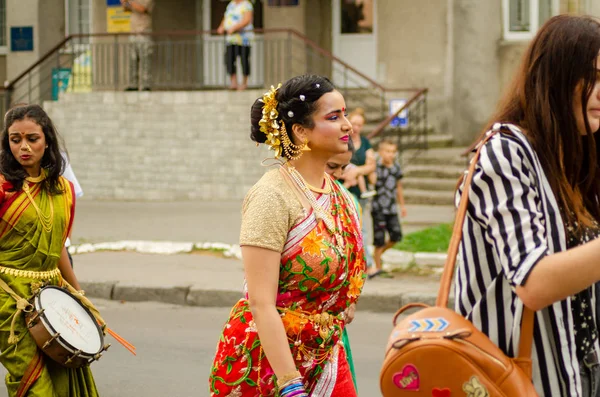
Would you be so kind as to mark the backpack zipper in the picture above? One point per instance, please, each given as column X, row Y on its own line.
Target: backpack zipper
column 466, row 342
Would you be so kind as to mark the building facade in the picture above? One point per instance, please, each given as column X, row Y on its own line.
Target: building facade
column 464, row 51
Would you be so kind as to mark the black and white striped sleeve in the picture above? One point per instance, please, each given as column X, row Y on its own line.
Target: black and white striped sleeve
column 504, row 199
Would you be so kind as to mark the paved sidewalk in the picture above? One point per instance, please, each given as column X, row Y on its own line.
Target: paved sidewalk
column 207, row 280
column 201, row 279
column 103, row 221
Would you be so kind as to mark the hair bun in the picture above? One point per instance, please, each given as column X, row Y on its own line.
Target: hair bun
column 295, row 100
column 255, row 116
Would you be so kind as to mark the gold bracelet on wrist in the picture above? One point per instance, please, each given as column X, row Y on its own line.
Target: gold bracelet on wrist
column 283, row 380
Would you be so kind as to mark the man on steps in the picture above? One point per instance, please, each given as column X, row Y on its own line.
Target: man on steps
column 140, row 47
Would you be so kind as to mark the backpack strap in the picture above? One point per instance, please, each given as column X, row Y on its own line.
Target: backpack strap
column 446, row 279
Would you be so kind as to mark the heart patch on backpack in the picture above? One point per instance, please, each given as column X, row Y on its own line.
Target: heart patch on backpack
column 408, row 378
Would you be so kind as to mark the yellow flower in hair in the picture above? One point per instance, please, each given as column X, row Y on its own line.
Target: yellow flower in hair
column 268, row 123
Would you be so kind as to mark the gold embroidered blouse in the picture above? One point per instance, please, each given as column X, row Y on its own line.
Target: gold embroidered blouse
column 271, row 208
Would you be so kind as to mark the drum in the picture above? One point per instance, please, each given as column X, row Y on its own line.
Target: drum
column 64, row 329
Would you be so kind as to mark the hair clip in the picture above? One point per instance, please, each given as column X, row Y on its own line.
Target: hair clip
column 290, row 114
column 318, row 85
column 302, row 98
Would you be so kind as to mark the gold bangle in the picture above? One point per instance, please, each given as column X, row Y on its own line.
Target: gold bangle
column 291, row 382
column 281, row 381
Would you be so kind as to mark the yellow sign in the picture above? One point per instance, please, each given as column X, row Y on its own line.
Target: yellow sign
column 117, row 20
column 82, row 73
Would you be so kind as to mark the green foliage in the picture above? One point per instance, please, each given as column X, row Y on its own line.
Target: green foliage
column 432, row 239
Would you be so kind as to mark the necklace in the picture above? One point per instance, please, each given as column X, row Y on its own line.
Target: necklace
column 45, row 220
column 328, row 218
column 326, row 190
column 36, row 179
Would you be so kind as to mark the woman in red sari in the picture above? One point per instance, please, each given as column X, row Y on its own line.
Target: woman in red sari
column 302, row 252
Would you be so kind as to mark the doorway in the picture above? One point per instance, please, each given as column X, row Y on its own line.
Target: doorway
column 354, row 34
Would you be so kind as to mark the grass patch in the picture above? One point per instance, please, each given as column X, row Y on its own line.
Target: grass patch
column 432, row 239
column 211, row 250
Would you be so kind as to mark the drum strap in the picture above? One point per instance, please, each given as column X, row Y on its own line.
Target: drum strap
column 32, row 373
column 22, row 305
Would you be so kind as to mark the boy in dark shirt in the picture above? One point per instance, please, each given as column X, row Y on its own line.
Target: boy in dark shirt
column 384, row 206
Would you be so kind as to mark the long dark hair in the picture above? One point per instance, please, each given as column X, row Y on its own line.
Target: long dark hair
column 52, row 161
column 561, row 57
column 297, row 97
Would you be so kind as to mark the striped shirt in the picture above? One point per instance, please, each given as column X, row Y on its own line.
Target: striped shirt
column 513, row 221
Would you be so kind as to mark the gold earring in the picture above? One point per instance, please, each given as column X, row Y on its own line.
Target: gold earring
column 306, row 148
column 292, row 151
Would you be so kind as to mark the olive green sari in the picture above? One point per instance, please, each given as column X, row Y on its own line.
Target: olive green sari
column 33, row 229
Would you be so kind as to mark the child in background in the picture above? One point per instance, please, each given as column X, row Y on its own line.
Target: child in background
column 387, row 180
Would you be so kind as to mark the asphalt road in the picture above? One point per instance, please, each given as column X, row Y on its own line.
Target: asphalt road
column 176, row 344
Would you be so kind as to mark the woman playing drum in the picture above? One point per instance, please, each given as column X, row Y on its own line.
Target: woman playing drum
column 303, row 255
column 36, row 210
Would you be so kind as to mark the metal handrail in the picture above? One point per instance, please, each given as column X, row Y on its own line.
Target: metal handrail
column 294, row 32
column 381, row 126
column 351, row 75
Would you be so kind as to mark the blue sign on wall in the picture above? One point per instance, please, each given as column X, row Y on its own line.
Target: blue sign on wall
column 21, row 38
column 402, row 119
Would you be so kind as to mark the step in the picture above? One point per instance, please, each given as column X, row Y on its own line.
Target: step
column 438, row 156
column 410, row 142
column 434, row 184
column 438, row 141
column 433, row 171
column 428, row 197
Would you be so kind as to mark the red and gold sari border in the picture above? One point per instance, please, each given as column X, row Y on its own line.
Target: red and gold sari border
column 304, row 227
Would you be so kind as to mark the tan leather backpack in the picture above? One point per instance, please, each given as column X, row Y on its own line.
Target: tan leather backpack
column 437, row 352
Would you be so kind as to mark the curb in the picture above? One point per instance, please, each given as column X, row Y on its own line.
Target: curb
column 198, row 297
column 193, row 295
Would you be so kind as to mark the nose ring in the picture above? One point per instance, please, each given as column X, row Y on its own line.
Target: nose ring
column 27, row 148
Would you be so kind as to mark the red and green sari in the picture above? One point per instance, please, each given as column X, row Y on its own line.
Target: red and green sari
column 317, row 283
column 32, row 242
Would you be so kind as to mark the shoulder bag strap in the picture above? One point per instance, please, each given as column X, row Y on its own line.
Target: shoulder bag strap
column 446, row 280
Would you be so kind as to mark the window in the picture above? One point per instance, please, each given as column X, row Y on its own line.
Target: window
column 522, row 18
column 78, row 16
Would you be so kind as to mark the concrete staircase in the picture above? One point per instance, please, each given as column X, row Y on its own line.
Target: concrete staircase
column 430, row 177
column 376, row 111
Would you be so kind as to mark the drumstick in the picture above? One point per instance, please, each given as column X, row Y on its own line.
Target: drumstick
column 122, row 341
column 119, row 338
